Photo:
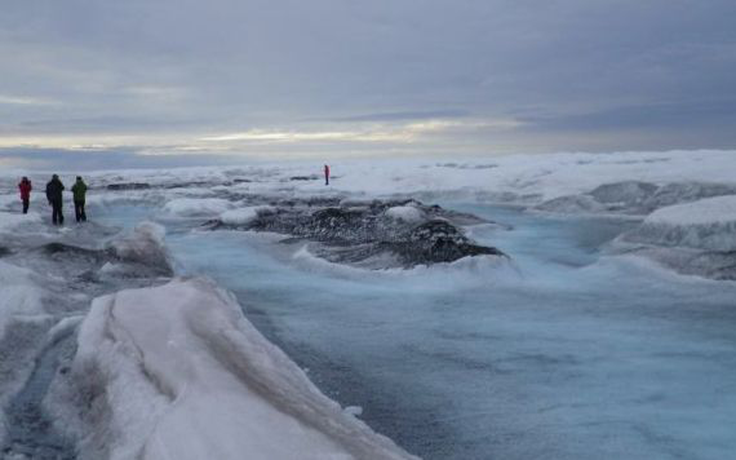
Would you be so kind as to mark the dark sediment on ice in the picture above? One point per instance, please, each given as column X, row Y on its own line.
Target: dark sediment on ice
column 374, row 234
column 128, row 186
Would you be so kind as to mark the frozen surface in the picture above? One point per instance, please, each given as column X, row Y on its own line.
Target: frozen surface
column 184, row 375
column 708, row 224
column 242, row 216
column 405, row 213
column 21, row 301
column 191, row 207
column 635, row 197
column 20, row 294
column 704, row 212
column 12, row 222
column 519, row 178
column 568, row 351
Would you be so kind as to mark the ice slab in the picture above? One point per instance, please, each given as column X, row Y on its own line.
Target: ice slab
column 184, row 375
column 708, row 224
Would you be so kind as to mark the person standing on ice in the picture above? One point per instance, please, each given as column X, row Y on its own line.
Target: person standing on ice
column 25, row 188
column 54, row 191
column 327, row 175
column 79, row 189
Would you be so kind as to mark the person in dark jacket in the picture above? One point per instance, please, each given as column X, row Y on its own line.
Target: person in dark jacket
column 327, row 175
column 25, row 188
column 53, row 193
column 79, row 189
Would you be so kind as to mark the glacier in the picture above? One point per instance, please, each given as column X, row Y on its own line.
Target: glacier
column 607, row 330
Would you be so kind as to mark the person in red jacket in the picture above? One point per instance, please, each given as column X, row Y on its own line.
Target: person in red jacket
column 25, row 188
column 327, row 175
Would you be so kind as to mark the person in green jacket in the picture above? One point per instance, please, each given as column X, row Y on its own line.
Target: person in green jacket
column 79, row 189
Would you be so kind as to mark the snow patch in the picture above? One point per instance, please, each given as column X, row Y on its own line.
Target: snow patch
column 242, row 216
column 708, row 224
column 145, row 246
column 409, row 214
column 12, row 221
column 197, row 207
column 709, row 211
column 19, row 294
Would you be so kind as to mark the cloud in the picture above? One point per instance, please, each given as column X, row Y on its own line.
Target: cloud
column 89, row 160
column 275, row 75
column 364, row 132
column 24, row 100
column 403, row 116
column 664, row 116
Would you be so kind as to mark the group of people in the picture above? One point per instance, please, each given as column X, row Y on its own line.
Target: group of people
column 54, row 195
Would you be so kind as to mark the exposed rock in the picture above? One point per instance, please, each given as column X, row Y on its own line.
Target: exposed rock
column 128, row 186
column 190, row 184
column 466, row 165
column 304, row 178
column 371, row 233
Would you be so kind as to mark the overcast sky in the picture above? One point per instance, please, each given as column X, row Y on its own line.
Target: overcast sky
column 131, row 82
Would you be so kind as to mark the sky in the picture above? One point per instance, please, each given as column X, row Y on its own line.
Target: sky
column 103, row 83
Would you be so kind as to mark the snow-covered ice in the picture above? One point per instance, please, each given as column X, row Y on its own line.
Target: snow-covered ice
column 405, row 213
column 184, row 375
column 578, row 347
column 708, row 224
column 244, row 215
column 703, row 212
column 11, row 221
column 193, row 207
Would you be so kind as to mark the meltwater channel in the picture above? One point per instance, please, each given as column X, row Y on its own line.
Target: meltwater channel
column 566, row 353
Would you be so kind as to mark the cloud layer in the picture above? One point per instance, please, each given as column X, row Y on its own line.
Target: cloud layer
column 290, row 78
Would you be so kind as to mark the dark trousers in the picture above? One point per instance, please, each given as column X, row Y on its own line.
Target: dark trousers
column 327, row 180
column 57, row 216
column 26, row 203
column 79, row 211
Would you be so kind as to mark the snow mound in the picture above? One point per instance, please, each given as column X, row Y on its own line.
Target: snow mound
column 242, row 216
column 177, row 371
column 21, row 300
column 709, row 211
column 409, row 214
column 572, row 204
column 626, row 194
column 635, row 197
column 196, row 207
column 12, row 221
column 708, row 224
column 19, row 293
column 144, row 247
column 686, row 192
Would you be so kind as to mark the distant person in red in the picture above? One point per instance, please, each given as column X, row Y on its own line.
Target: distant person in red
column 25, row 188
column 327, row 175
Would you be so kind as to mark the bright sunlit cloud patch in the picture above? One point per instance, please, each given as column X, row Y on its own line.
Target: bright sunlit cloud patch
column 372, row 132
column 24, row 100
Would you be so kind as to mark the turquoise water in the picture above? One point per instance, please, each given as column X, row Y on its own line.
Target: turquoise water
column 563, row 353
